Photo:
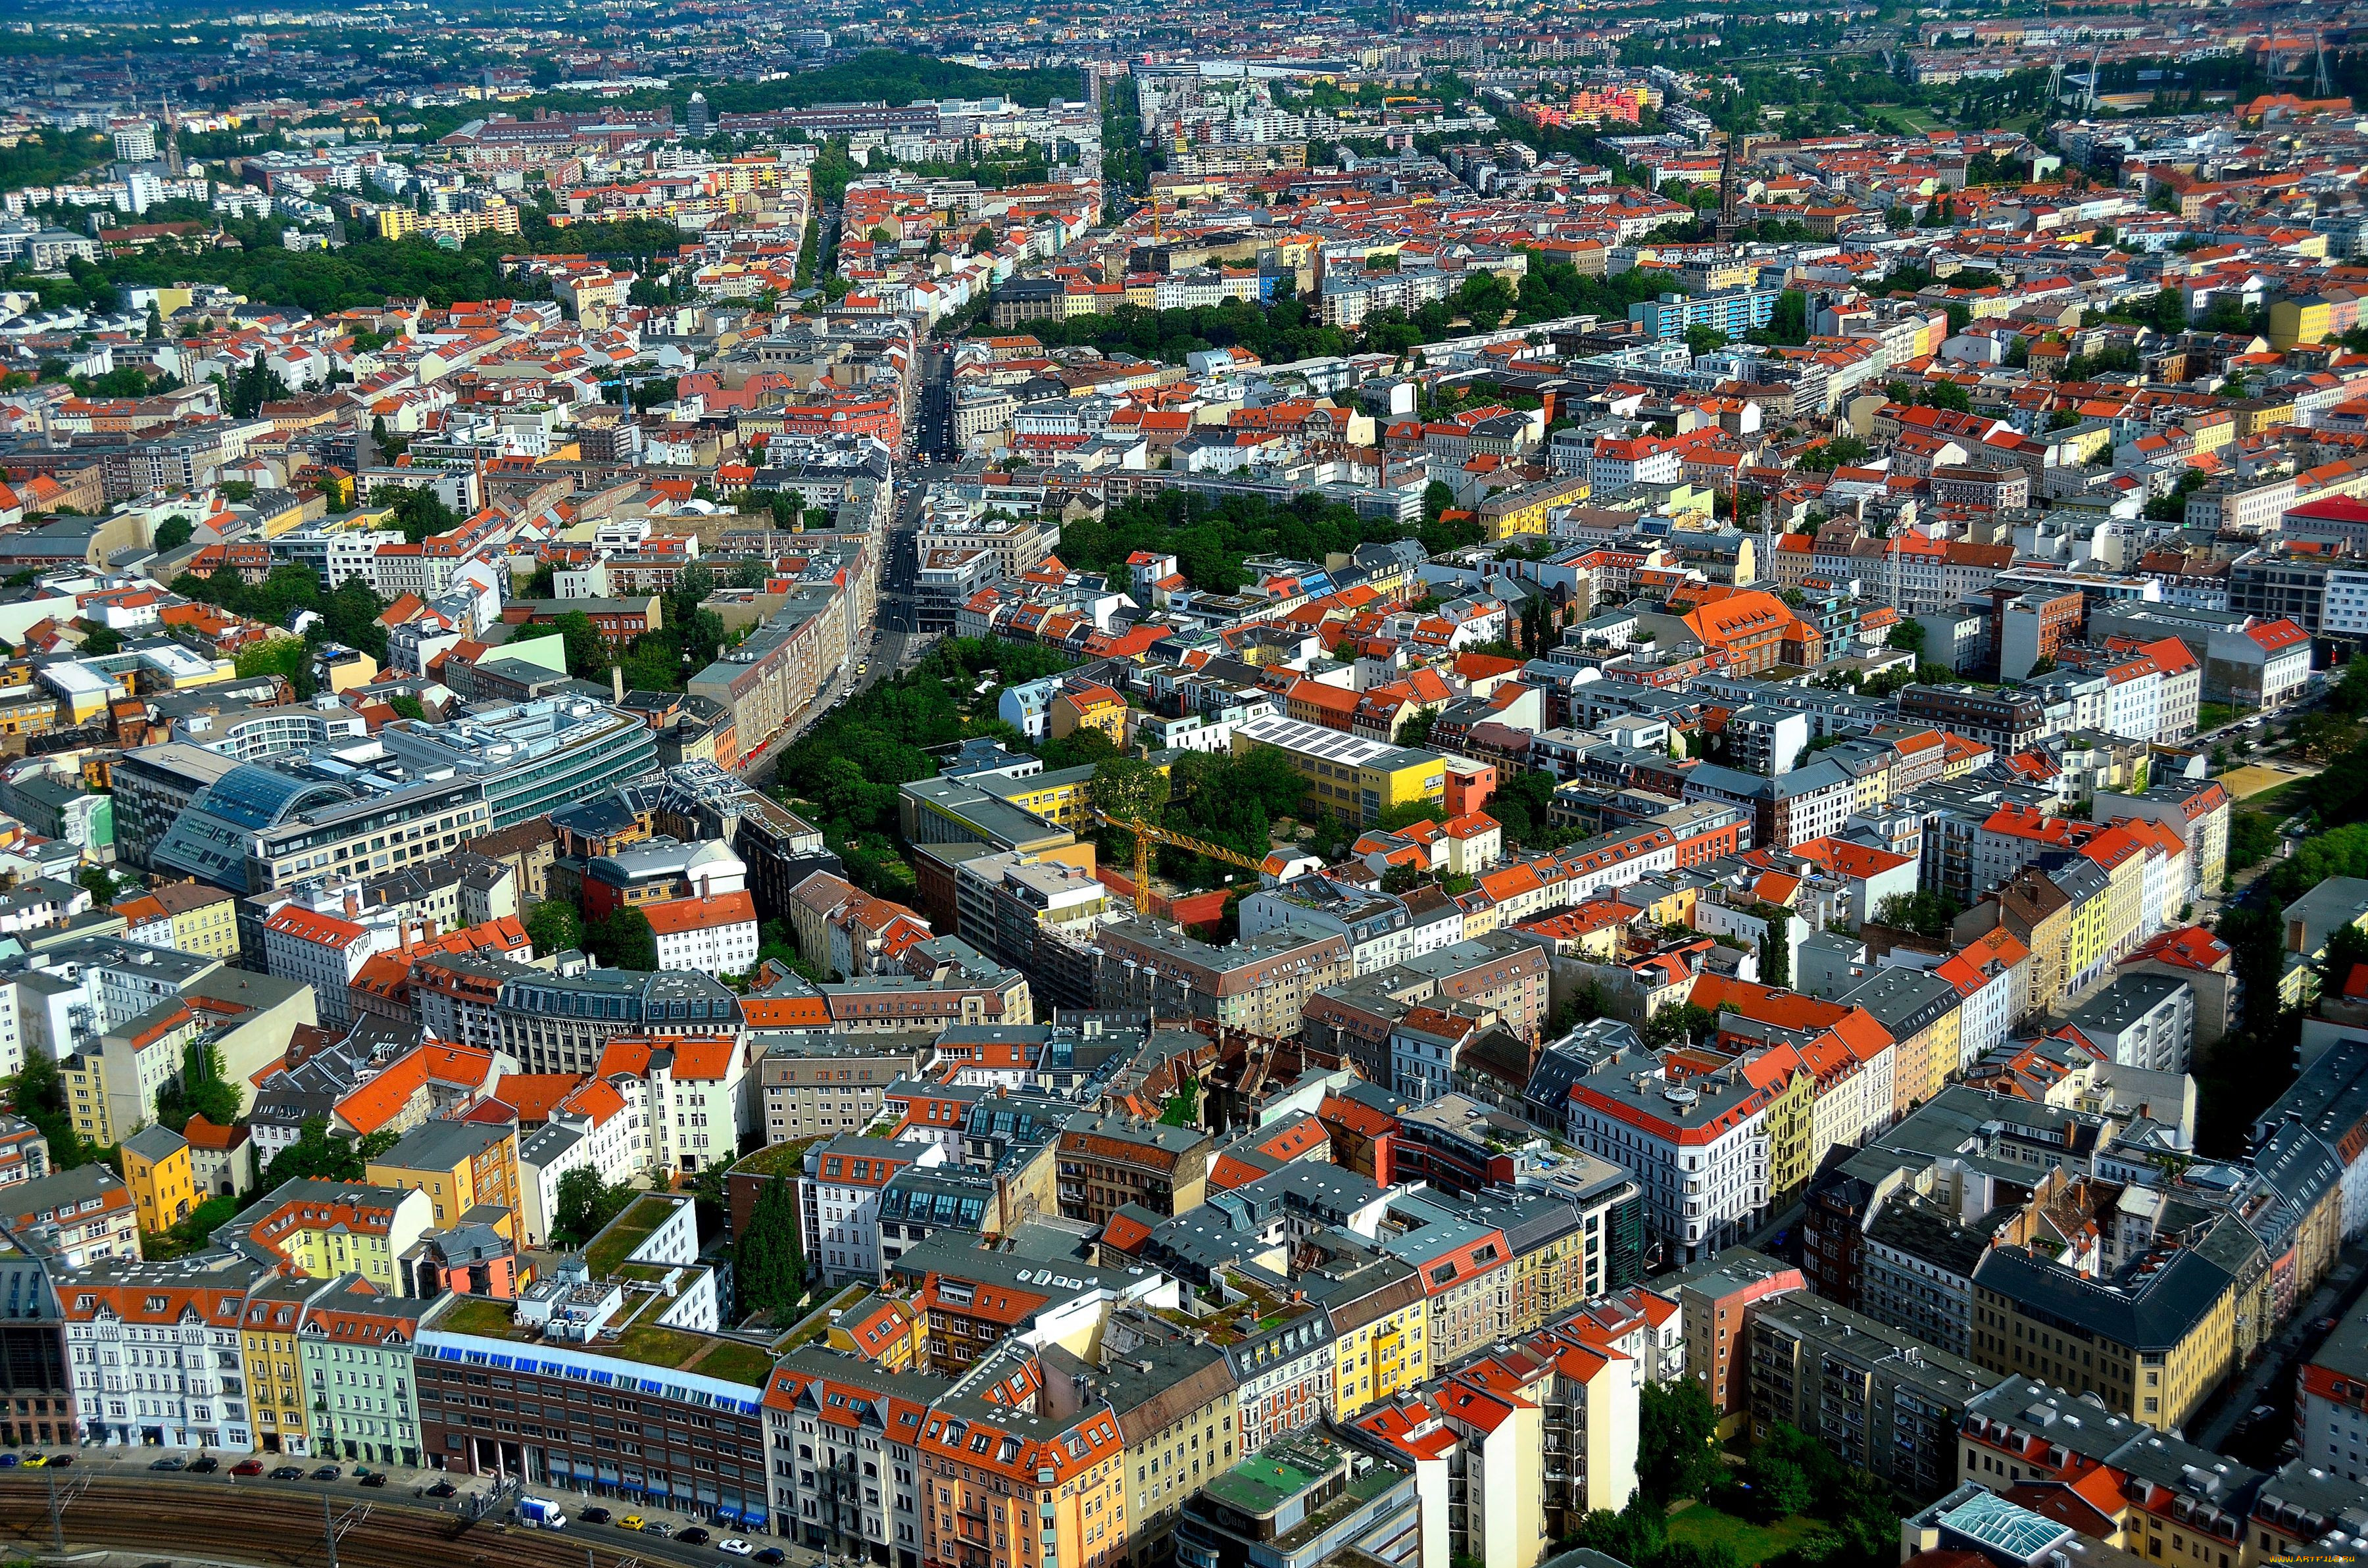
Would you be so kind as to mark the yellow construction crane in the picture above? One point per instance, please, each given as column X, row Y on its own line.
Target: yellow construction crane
column 1146, row 834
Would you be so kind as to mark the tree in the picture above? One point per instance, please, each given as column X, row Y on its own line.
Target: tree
column 1414, row 730
column 202, row 1089
column 155, row 332
column 1130, row 787
column 555, row 927
column 1701, row 340
column 1679, row 1025
column 97, row 639
column 37, row 1093
column 623, row 940
column 318, row 1156
column 1083, row 746
column 1926, row 913
column 1436, row 497
column 421, row 514
column 173, row 532
column 1833, row 454
column 1676, row 1440
column 765, row 1265
column 588, row 650
column 1776, row 956
column 2345, row 946
column 1780, row 1487
column 583, row 1204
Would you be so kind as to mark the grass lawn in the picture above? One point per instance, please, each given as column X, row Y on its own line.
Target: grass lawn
column 2263, row 789
column 1704, row 1525
column 2212, row 715
column 1916, row 120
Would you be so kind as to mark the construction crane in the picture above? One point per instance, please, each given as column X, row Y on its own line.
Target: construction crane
column 1147, row 834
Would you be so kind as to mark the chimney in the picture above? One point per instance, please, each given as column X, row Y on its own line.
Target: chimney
column 616, row 683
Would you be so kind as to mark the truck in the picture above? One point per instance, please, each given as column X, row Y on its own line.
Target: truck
column 540, row 1514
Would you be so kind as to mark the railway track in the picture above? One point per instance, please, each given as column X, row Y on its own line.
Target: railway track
column 269, row 1527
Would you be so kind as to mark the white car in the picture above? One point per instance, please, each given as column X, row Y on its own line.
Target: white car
column 736, row 1546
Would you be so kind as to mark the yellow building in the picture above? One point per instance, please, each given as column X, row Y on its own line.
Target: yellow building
column 459, row 1165
column 2270, row 412
column 1792, row 1150
column 1093, row 707
column 1356, row 779
column 111, row 1087
column 2152, row 1352
column 270, row 1349
column 1380, row 1338
column 2300, row 320
column 205, row 920
column 163, row 1183
column 323, row 1229
column 1526, row 509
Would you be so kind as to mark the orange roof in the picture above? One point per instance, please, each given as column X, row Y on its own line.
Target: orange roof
column 534, row 1094
column 785, row 1012
column 676, row 916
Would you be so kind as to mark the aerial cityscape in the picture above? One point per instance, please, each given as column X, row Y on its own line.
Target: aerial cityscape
column 1096, row 786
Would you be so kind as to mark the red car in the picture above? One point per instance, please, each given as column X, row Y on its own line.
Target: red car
column 247, row 1467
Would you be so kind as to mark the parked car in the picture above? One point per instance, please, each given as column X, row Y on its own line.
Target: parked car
column 736, row 1546
column 8, row 1462
column 375, row 1478
column 770, row 1556
column 443, row 1489
column 204, row 1464
column 632, row 1522
column 597, row 1516
column 693, row 1535
column 172, row 1461
column 288, row 1472
column 328, row 1473
column 247, row 1467
column 59, row 1462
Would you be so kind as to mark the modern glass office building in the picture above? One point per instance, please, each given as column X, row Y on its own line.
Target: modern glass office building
column 412, row 794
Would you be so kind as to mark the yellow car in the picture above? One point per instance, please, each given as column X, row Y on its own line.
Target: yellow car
column 630, row 1522
column 35, row 1462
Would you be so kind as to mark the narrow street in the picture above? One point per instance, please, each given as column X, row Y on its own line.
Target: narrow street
column 2271, row 1380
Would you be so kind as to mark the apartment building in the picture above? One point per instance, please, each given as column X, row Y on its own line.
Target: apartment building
column 821, row 1083
column 1259, row 984
column 154, row 1350
column 2152, row 1347
column 462, row 1165
column 1107, row 1162
column 1698, row 1144
column 1881, row 1402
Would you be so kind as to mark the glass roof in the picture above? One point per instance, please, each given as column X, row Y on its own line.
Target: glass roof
column 254, row 798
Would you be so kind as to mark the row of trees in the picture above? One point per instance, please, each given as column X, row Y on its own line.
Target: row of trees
column 620, row 940
column 847, row 768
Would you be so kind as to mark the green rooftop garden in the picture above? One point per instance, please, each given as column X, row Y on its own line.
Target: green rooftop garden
column 775, row 1159
column 811, row 1328
column 480, row 1316
column 627, row 1231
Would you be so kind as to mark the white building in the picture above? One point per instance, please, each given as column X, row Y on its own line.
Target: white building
column 323, row 951
column 1696, row 1144
column 153, row 1352
column 838, row 1201
column 715, row 935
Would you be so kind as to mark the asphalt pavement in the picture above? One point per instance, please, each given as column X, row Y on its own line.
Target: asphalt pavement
column 471, row 1494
